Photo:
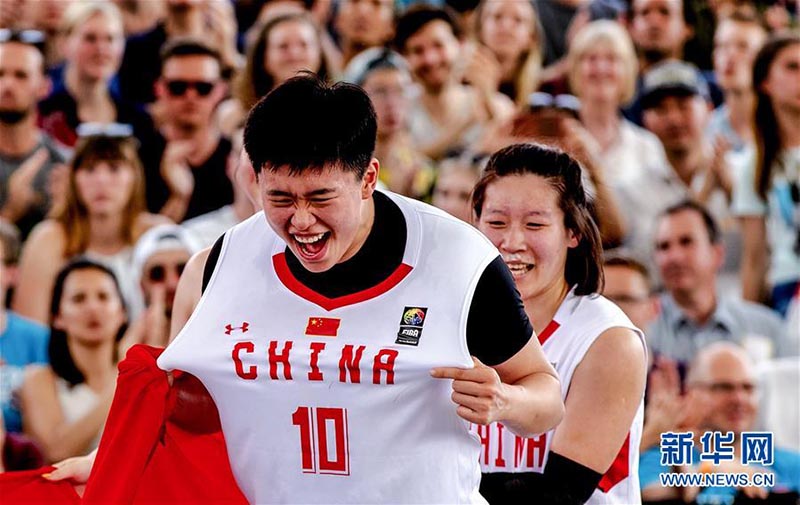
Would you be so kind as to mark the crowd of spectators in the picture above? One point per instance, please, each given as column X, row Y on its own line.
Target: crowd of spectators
column 121, row 156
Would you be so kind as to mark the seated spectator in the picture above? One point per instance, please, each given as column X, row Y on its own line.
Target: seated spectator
column 676, row 104
column 767, row 192
column 447, row 115
column 65, row 405
column 22, row 342
column 17, row 452
column 724, row 376
column 93, row 46
column 602, row 74
column 285, row 45
column 452, row 190
column 694, row 312
column 510, row 30
column 212, row 21
column 362, row 24
column 628, row 284
column 385, row 77
column 159, row 257
column 737, row 40
column 28, row 155
column 185, row 165
column 207, row 228
column 102, row 216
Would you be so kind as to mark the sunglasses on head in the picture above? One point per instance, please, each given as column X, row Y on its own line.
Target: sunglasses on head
column 158, row 273
column 109, row 130
column 31, row 37
column 179, row 87
column 567, row 103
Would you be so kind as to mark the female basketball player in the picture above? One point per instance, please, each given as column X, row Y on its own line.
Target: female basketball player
column 532, row 205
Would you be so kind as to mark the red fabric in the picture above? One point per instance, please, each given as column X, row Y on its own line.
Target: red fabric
column 29, row 487
column 323, row 326
column 619, row 469
column 145, row 457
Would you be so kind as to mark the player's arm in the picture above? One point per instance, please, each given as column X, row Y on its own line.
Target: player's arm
column 604, row 395
column 512, row 381
column 188, row 292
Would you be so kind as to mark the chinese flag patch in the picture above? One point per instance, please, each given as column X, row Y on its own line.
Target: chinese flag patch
column 323, row 326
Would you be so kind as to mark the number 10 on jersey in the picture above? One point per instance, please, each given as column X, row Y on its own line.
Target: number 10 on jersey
column 324, row 439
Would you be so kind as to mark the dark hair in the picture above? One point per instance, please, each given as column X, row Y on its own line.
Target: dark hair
column 564, row 174
column 712, row 229
column 58, row 351
column 418, row 16
column 308, row 124
column 629, row 262
column 687, row 8
column 767, row 132
column 10, row 242
column 186, row 46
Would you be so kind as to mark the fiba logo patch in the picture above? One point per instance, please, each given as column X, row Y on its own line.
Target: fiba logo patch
column 411, row 325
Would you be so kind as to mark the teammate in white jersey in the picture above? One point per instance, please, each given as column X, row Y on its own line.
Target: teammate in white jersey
column 290, row 303
column 532, row 205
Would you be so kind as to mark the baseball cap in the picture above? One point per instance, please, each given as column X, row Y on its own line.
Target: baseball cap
column 672, row 78
column 161, row 238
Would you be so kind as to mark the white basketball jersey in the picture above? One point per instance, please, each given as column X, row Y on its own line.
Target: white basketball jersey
column 330, row 400
column 577, row 324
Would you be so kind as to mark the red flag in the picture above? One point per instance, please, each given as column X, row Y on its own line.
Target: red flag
column 323, row 326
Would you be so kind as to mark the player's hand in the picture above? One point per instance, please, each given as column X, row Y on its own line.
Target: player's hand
column 478, row 392
column 76, row 469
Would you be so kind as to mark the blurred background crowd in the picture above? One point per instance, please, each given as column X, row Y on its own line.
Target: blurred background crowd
column 120, row 140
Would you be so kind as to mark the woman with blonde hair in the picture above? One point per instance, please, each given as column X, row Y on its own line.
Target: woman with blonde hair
column 101, row 216
column 602, row 69
column 94, row 42
column 510, row 29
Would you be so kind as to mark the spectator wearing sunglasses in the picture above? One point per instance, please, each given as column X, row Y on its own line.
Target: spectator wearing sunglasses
column 93, row 46
column 160, row 255
column 102, row 215
column 27, row 154
column 185, row 166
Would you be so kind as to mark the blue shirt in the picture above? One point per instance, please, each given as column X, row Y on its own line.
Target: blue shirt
column 23, row 343
column 786, row 468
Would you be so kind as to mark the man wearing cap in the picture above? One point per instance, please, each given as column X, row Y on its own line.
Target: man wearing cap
column 159, row 257
column 676, row 104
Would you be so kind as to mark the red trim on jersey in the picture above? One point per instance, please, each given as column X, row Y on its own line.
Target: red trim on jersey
column 548, row 331
column 619, row 469
column 295, row 286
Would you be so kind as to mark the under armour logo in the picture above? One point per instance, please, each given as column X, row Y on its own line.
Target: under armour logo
column 228, row 328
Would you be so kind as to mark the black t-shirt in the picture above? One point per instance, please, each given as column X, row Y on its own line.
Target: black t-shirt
column 141, row 65
column 212, row 187
column 497, row 326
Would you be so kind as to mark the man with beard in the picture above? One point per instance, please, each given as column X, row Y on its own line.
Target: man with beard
column 185, row 167
column 448, row 115
column 659, row 29
column 694, row 313
column 27, row 155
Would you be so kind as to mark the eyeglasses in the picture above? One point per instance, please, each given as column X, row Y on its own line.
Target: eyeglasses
column 567, row 103
column 31, row 37
column 729, row 387
column 179, row 87
column 109, row 130
column 158, row 273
